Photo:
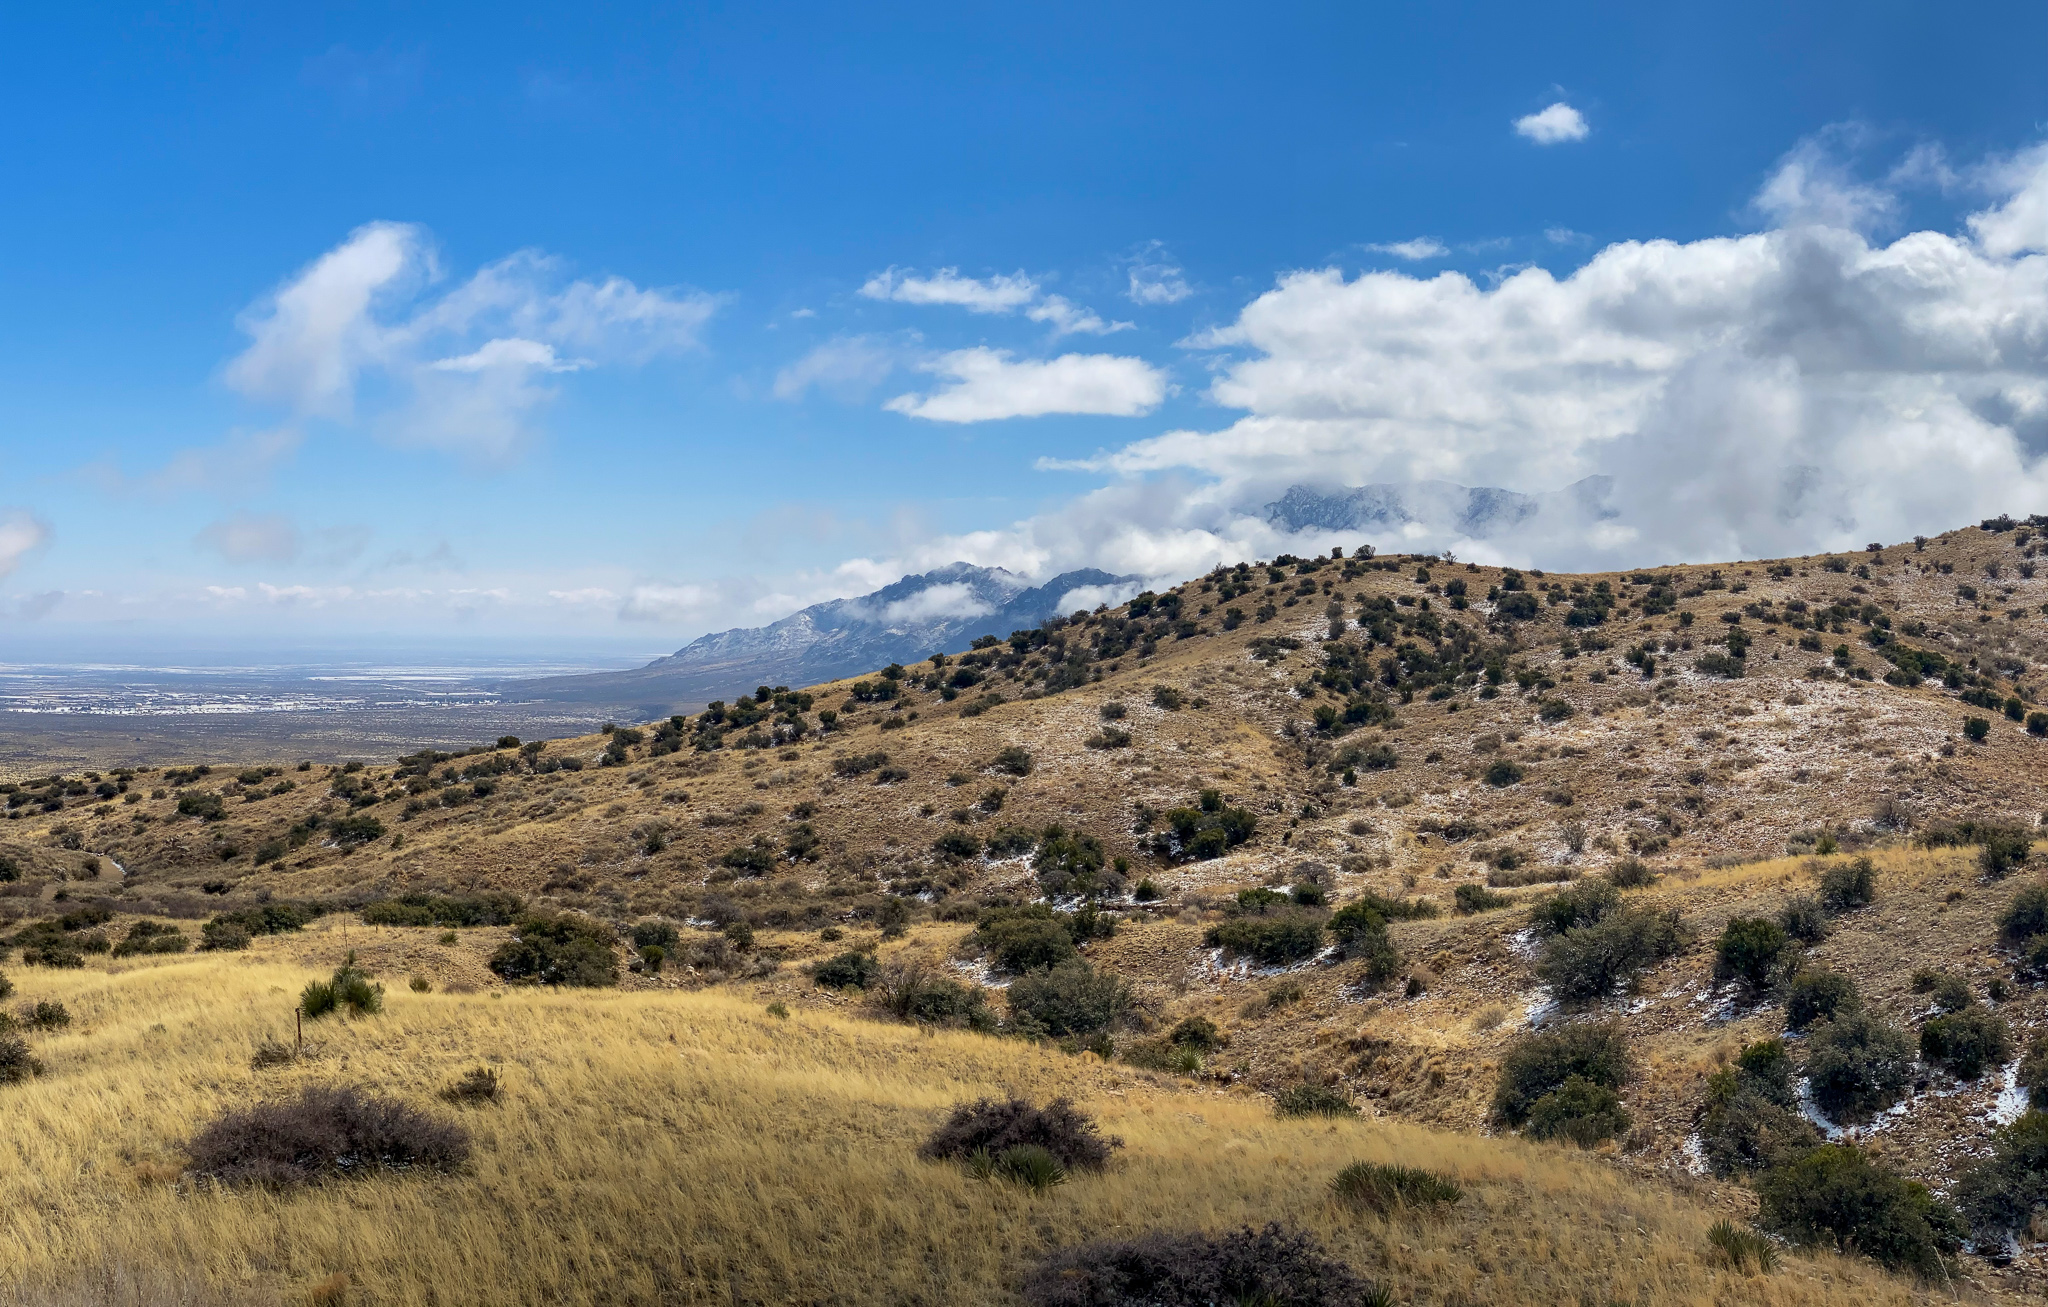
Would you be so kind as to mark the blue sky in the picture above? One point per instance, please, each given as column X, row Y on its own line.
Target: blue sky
column 607, row 326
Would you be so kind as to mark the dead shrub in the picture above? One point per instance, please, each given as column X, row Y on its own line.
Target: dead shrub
column 325, row 1131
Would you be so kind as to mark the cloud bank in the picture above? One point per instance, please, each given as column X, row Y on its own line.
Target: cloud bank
column 1803, row 388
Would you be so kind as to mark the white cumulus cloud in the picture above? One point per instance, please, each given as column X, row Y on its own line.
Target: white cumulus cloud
column 987, row 384
column 1799, row 389
column 1553, row 126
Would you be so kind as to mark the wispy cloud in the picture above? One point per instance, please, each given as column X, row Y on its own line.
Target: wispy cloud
column 467, row 365
column 1422, row 247
column 21, row 534
column 998, row 294
column 988, row 384
column 1156, row 278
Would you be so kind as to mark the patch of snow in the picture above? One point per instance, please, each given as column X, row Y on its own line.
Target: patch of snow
column 1695, row 1155
column 1523, row 943
column 2013, row 1101
column 1540, row 1007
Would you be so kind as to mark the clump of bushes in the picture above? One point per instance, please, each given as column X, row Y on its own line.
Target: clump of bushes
column 1999, row 1195
column 912, row 990
column 1835, row 1196
column 1584, row 964
column 557, row 949
column 233, row 930
column 1751, row 1121
column 993, row 1127
column 452, row 911
column 1275, row 941
column 1471, row 898
column 1857, row 1066
column 1070, row 999
column 1849, row 886
column 1034, row 937
column 1818, row 994
column 850, row 970
column 1275, row 1265
column 1207, row 830
column 1571, row 1076
column 324, row 1132
column 1382, row 1188
column 1966, row 1042
column 151, row 937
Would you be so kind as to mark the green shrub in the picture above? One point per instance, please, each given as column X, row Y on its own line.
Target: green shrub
column 1471, row 898
column 2000, row 1194
column 1630, row 873
column 1750, row 1121
column 1584, row 904
column 1206, row 831
column 1384, row 1189
column 957, row 845
column 2026, row 916
column 17, row 1064
column 350, row 988
column 460, row 910
column 46, row 1015
column 1818, row 994
column 223, row 934
column 1966, row 1042
column 1070, row 999
column 558, row 949
column 1836, row 1197
column 1848, row 886
column 1024, row 939
column 1539, row 1063
column 1752, row 951
column 2005, row 850
column 1579, row 1112
column 1857, row 1066
column 1952, row 993
column 145, row 937
column 1070, row 863
column 1014, row 760
column 1589, row 963
column 850, row 970
column 655, row 933
column 1198, row 1033
column 1804, row 919
column 1310, row 1099
column 1278, row 940
column 1501, row 773
column 1976, row 728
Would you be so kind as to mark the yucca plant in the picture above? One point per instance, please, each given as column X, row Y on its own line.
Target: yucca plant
column 1383, row 1188
column 1743, row 1248
column 1033, row 1167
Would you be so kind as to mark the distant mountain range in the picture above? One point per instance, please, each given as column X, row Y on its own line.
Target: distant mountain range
column 1475, row 512
column 943, row 610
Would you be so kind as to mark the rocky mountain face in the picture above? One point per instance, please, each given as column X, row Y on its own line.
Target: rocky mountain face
column 1474, row 512
column 942, row 610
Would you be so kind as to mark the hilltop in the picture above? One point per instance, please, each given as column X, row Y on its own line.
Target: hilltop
column 1442, row 744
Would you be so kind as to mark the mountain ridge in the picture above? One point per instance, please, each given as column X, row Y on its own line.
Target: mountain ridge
column 907, row 620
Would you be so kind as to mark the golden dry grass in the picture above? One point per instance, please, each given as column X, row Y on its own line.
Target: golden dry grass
column 691, row 1148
